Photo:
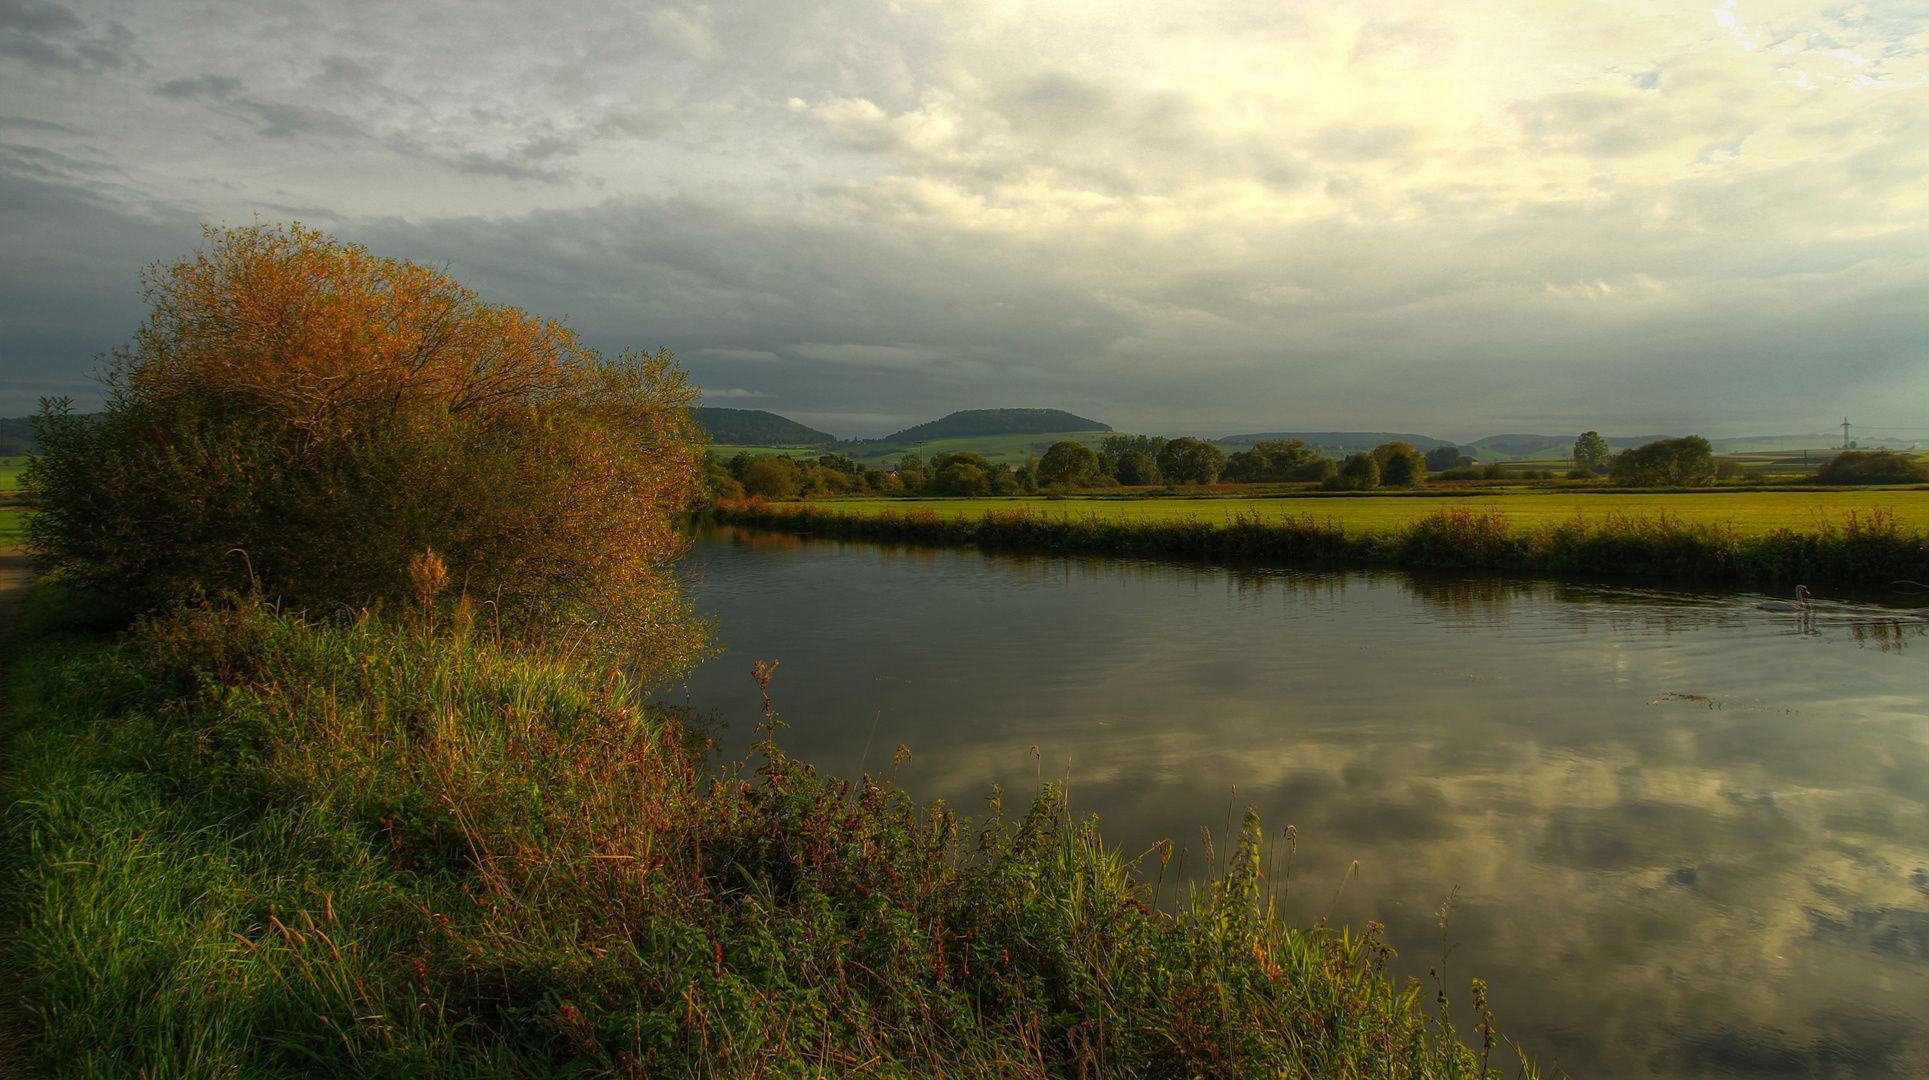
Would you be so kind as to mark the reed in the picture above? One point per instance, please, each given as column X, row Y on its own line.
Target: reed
column 243, row 844
column 1866, row 549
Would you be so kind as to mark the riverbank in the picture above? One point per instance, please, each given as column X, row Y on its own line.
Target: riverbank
column 1868, row 549
column 247, row 845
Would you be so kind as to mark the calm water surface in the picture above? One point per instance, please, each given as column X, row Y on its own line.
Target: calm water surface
column 1689, row 837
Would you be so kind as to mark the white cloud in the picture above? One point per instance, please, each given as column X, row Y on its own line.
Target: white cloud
column 1377, row 211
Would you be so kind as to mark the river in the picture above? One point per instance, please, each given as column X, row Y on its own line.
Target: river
column 1686, row 837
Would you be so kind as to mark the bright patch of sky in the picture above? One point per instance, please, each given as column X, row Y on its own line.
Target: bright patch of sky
column 1453, row 219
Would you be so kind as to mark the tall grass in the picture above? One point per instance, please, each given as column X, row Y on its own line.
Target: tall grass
column 245, row 845
column 1863, row 549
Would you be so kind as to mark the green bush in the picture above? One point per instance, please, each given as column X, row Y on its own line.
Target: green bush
column 1871, row 467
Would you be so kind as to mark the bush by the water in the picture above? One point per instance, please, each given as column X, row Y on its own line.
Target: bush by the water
column 1871, row 467
column 242, row 844
column 341, row 431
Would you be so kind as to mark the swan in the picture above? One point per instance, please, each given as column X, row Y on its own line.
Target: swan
column 1800, row 604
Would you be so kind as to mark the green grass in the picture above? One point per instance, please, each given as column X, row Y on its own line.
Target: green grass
column 1871, row 547
column 243, row 845
column 10, row 470
column 1749, row 512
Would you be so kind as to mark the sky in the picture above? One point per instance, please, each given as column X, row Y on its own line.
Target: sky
column 1453, row 219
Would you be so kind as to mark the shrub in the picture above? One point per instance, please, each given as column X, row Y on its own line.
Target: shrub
column 1461, row 474
column 299, row 416
column 1580, row 474
column 1871, row 467
column 1730, row 470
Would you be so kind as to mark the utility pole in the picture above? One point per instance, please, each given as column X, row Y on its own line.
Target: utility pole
column 1845, row 433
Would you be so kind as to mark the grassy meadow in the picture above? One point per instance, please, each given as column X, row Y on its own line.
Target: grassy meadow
column 1869, row 544
column 12, row 519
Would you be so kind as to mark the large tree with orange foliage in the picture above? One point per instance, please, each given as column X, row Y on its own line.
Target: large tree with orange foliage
column 299, row 416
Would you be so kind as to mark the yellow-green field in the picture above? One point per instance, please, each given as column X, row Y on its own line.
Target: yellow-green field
column 1747, row 511
column 12, row 521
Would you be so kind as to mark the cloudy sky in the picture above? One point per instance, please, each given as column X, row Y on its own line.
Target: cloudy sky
column 1449, row 218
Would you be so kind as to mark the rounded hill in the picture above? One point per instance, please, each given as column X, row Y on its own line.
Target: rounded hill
column 974, row 422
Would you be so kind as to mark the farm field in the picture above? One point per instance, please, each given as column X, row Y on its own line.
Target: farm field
column 12, row 520
column 1748, row 511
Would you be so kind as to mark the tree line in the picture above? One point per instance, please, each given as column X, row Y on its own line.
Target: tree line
column 1123, row 460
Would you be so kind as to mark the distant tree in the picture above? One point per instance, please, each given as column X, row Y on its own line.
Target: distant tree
column 961, row 478
column 1447, row 457
column 1591, row 451
column 1871, row 467
column 1359, row 472
column 1400, row 464
column 881, row 480
column 910, row 461
column 723, row 483
column 773, row 478
column 1117, row 444
column 1137, row 469
column 1666, row 463
column 1190, row 461
column 1068, row 464
column 1274, row 461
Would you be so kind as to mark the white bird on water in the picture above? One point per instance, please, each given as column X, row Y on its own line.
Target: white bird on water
column 1800, row 604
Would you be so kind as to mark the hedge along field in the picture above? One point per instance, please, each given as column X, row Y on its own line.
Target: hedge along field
column 1751, row 511
column 1869, row 548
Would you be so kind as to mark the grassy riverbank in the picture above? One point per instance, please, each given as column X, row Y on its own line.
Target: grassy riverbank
column 1744, row 511
column 245, row 845
column 1869, row 548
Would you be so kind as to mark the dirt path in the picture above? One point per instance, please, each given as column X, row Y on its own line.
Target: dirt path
column 16, row 574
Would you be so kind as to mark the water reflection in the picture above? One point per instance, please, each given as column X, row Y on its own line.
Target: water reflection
column 1690, row 836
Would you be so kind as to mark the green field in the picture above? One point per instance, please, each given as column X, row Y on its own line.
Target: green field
column 1747, row 511
column 13, row 522
column 1002, row 449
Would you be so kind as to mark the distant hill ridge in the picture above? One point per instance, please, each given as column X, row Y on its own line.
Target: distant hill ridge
column 1339, row 440
column 755, row 427
column 973, row 422
column 16, row 437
